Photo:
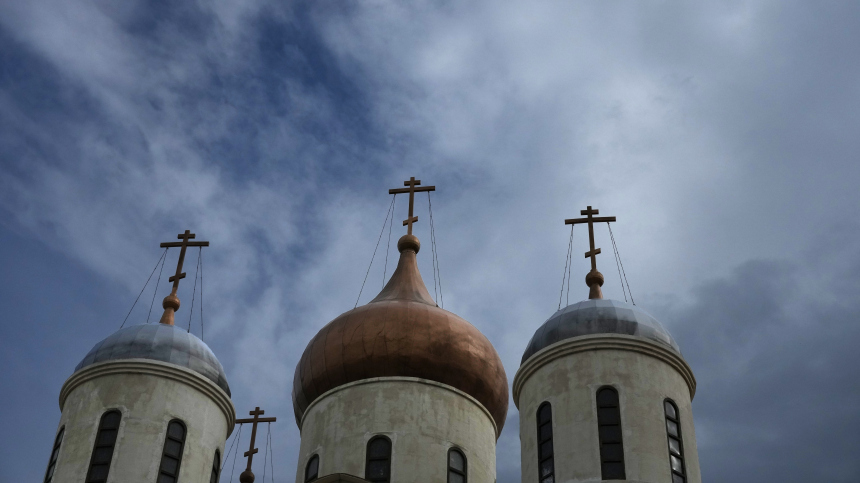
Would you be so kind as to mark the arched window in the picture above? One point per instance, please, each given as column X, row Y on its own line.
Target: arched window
column 609, row 432
column 49, row 473
column 456, row 466
column 171, row 457
column 378, row 468
column 216, row 467
column 104, row 446
column 312, row 470
column 546, row 464
column 676, row 448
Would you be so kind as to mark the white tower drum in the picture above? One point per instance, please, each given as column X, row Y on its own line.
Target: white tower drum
column 148, row 404
column 604, row 394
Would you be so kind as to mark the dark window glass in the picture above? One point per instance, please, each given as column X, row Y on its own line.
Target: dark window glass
column 312, row 470
column 456, row 466
column 609, row 433
column 104, row 446
column 546, row 462
column 171, row 456
column 676, row 448
column 216, row 467
column 55, row 453
column 378, row 467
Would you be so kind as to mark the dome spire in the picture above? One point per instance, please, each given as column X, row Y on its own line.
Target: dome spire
column 171, row 302
column 406, row 282
column 593, row 279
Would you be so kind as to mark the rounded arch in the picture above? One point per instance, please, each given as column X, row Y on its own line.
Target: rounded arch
column 103, row 447
column 312, row 468
column 216, row 467
column 609, row 434
column 545, row 449
column 457, row 466
column 55, row 453
column 675, row 441
column 378, row 461
column 171, row 455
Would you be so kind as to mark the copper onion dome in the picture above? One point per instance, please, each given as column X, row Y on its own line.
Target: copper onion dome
column 402, row 332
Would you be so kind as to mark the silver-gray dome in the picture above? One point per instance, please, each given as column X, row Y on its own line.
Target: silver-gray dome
column 159, row 342
column 599, row 316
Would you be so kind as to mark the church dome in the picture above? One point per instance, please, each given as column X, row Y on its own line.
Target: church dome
column 599, row 316
column 159, row 342
column 402, row 333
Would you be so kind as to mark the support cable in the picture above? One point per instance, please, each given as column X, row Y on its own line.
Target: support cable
column 618, row 254
column 141, row 290
column 266, row 450
column 155, row 292
column 566, row 264
column 438, row 273
column 271, row 458
column 201, row 292
column 236, row 453
column 374, row 252
column 194, row 293
column 617, row 264
column 388, row 248
column 433, row 250
column 227, row 456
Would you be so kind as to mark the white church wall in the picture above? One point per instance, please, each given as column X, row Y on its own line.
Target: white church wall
column 568, row 375
column 422, row 418
column 149, row 394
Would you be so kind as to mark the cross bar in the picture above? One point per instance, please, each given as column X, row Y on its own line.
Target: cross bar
column 412, row 184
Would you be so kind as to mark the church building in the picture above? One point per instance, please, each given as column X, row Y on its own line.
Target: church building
column 396, row 391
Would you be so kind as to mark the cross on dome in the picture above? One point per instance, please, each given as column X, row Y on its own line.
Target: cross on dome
column 412, row 184
column 247, row 476
column 594, row 279
column 171, row 302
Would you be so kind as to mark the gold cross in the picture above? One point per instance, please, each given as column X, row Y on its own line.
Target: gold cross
column 183, row 244
column 591, row 220
column 252, row 450
column 412, row 183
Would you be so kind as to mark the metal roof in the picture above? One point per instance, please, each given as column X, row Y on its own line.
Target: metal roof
column 598, row 316
column 159, row 342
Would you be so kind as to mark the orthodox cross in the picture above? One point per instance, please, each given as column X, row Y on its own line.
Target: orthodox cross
column 412, row 189
column 593, row 279
column 247, row 476
column 185, row 243
column 591, row 220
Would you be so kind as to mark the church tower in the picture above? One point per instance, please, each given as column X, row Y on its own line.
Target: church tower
column 148, row 404
column 400, row 389
column 605, row 394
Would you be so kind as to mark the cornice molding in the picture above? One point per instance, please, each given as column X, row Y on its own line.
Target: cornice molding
column 602, row 342
column 153, row 368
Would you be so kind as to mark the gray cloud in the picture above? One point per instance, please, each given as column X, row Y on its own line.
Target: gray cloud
column 723, row 136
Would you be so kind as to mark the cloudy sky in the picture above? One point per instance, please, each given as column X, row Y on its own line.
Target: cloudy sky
column 724, row 137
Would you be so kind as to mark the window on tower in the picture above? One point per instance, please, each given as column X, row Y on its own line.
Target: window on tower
column 378, row 467
column 546, row 464
column 312, row 470
column 171, row 457
column 676, row 448
column 456, row 466
column 216, row 467
column 104, row 446
column 609, row 433
column 52, row 463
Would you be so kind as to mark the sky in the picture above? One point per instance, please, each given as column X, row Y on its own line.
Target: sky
column 722, row 135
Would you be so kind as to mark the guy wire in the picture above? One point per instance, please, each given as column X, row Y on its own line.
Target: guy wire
column 155, row 292
column 141, row 290
column 566, row 262
column 374, row 252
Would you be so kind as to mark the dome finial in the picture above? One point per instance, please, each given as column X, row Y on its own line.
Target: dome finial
column 593, row 279
column 412, row 184
column 171, row 302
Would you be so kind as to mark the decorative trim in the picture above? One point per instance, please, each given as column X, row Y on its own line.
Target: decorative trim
column 400, row 379
column 602, row 342
column 153, row 368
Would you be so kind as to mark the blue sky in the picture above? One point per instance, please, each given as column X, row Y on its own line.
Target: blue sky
column 722, row 135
